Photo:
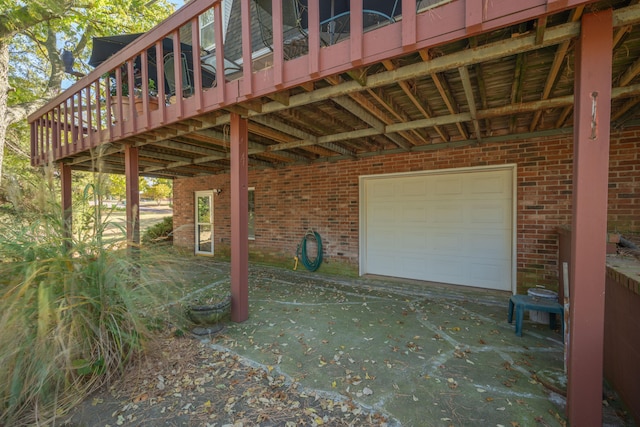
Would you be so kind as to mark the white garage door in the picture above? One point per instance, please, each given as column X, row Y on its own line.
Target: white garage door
column 451, row 227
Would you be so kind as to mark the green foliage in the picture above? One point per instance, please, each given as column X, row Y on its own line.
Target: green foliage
column 73, row 310
column 159, row 189
column 160, row 232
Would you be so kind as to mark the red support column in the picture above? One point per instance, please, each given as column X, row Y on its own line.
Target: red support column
column 67, row 212
column 133, row 194
column 590, row 189
column 239, row 219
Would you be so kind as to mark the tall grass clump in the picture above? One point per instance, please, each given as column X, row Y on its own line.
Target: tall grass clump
column 72, row 309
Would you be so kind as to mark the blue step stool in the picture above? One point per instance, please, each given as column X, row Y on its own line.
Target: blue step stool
column 527, row 302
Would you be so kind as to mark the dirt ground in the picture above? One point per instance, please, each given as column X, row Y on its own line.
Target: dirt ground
column 183, row 382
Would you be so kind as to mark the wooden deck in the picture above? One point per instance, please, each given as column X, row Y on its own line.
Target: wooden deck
column 455, row 73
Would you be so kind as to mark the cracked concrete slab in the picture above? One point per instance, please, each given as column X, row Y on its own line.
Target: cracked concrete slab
column 421, row 353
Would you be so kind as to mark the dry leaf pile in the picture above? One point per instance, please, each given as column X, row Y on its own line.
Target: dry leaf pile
column 183, row 382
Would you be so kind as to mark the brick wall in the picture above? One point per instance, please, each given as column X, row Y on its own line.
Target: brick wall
column 324, row 196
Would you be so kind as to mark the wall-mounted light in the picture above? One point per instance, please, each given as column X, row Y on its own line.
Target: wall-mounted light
column 217, row 191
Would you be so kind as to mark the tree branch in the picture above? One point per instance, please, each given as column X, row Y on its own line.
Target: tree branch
column 21, row 18
column 21, row 111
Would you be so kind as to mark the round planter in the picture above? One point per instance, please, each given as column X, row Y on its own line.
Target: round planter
column 210, row 314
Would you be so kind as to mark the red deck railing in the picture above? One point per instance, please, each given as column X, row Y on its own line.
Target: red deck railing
column 95, row 110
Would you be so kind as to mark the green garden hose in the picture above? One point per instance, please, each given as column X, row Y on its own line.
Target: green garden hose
column 301, row 253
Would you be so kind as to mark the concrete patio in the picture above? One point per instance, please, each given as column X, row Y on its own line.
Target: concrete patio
column 421, row 353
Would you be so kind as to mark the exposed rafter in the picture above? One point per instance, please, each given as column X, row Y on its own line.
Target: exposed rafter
column 421, row 105
column 445, row 92
column 468, row 92
column 364, row 115
column 558, row 60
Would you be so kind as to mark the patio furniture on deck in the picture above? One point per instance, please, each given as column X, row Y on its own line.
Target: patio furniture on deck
column 169, row 73
column 527, row 302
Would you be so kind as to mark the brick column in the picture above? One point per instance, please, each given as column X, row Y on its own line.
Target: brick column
column 239, row 219
column 590, row 190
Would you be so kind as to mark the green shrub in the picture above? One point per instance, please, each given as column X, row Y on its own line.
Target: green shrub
column 160, row 232
column 73, row 312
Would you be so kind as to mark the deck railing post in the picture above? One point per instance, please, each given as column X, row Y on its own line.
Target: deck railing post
column 278, row 43
column 247, row 49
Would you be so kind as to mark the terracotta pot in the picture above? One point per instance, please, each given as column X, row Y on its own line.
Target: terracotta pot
column 153, row 104
column 126, row 105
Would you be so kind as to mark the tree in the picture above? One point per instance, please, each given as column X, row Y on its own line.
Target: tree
column 159, row 189
column 31, row 35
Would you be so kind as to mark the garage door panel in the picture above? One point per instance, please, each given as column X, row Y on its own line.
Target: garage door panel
column 382, row 190
column 416, row 188
column 446, row 270
column 453, row 227
column 490, row 213
column 486, row 275
column 414, row 212
column 490, row 245
column 448, row 213
column 383, row 237
column 381, row 213
column 414, row 242
column 447, row 185
column 446, row 243
column 492, row 183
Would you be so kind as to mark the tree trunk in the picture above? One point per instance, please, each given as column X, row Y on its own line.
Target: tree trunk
column 4, row 90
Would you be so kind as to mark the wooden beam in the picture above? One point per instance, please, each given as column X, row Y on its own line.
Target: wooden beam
column 363, row 114
column 281, row 126
column 184, row 146
column 359, row 75
column 488, row 52
column 281, row 97
column 468, row 92
column 628, row 105
column 541, row 26
column 445, row 93
column 558, row 60
column 516, row 87
column 630, row 73
column 631, row 112
column 420, row 104
column 360, row 99
column 566, row 111
column 270, row 133
column 482, row 87
column 394, row 109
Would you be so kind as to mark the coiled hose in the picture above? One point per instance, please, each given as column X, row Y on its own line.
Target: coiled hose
column 301, row 252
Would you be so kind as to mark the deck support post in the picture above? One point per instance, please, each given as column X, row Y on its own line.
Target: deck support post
column 131, row 171
column 239, row 219
column 590, row 193
column 67, row 210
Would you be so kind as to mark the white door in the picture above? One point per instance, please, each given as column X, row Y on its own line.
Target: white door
column 204, row 222
column 446, row 226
